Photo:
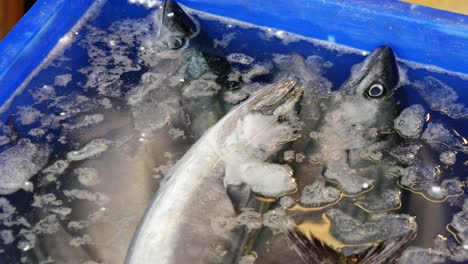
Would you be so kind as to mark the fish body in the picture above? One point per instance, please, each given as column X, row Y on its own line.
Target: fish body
column 350, row 139
column 177, row 226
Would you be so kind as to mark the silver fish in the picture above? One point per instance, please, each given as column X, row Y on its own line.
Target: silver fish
column 350, row 139
column 176, row 227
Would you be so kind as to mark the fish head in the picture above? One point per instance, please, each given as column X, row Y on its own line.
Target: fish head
column 267, row 120
column 364, row 103
column 279, row 97
column 176, row 27
column 376, row 78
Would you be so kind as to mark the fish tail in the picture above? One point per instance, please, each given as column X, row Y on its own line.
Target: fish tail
column 313, row 251
column 389, row 251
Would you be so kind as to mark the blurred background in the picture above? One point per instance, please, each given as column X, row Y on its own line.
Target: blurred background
column 10, row 12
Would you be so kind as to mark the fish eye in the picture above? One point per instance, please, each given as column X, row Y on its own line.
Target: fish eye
column 375, row 90
column 176, row 42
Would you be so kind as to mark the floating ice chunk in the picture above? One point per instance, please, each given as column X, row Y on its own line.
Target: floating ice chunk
column 300, row 157
column 415, row 255
column 148, row 118
column 284, row 36
column 289, row 155
column 437, row 133
column 163, row 170
column 448, row 157
column 263, row 178
column 58, row 167
column 234, row 97
column 406, row 154
column 7, row 236
column 48, row 225
column 84, row 121
column 224, row 41
column 81, row 240
column 441, row 97
column 36, row 132
column 149, row 81
column 349, row 181
column 266, row 131
column 6, row 209
column 148, row 4
column 410, row 122
column 87, row 176
column 90, row 219
column 234, row 76
column 287, row 202
column 385, row 200
column 255, row 71
column 19, row 163
column 379, row 227
column 196, row 64
column 248, row 218
column 413, row 174
column 47, row 199
column 176, row 133
column 61, row 211
column 43, row 93
column 111, row 89
column 63, row 80
column 4, row 140
column 247, row 259
column 74, row 103
column 27, row 240
column 99, row 198
column 315, row 158
column 92, row 149
column 448, row 187
column 28, row 115
column 314, row 135
column 240, row 58
column 317, row 62
column 317, row 194
column 201, row 88
column 274, row 219
column 460, row 223
column 105, row 102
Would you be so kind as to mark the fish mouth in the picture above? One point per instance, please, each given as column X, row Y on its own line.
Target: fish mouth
column 278, row 94
column 175, row 25
column 380, row 66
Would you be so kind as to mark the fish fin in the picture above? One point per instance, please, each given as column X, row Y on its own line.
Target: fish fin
column 311, row 251
column 390, row 250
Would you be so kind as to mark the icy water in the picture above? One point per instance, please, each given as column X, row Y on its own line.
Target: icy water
column 86, row 144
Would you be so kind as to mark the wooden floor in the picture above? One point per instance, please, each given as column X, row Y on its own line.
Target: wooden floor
column 456, row 6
